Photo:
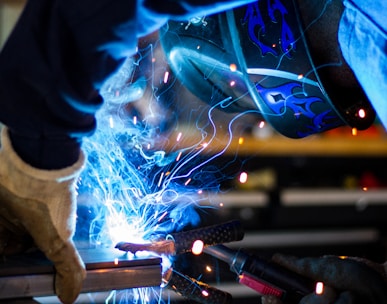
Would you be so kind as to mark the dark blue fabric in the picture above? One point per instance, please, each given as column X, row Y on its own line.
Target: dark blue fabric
column 58, row 56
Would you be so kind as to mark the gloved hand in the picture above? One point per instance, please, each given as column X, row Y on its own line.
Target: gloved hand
column 41, row 204
column 349, row 280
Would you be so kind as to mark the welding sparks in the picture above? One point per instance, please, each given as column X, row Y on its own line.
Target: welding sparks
column 161, row 179
column 319, row 288
column 233, row 67
column 362, row 113
column 179, row 136
column 243, row 177
column 188, row 181
column 162, row 216
column 179, row 156
column 166, row 76
column 197, row 247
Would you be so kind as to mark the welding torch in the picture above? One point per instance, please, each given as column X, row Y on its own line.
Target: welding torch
column 264, row 276
column 183, row 242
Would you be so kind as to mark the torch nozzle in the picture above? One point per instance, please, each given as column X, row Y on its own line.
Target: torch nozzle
column 166, row 247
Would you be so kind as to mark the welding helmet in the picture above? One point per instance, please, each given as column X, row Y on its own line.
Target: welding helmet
column 256, row 58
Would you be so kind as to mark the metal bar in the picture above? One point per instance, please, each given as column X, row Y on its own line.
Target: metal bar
column 106, row 270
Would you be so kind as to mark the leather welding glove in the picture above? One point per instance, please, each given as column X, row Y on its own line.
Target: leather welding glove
column 348, row 280
column 41, row 204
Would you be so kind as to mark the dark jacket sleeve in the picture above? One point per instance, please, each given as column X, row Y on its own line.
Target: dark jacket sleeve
column 60, row 53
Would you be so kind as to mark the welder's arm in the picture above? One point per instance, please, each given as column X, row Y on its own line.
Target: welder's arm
column 346, row 280
column 109, row 30
column 94, row 38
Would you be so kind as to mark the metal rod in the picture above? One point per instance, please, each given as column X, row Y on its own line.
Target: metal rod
column 106, row 270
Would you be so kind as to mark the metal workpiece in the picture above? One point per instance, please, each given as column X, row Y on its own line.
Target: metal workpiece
column 32, row 275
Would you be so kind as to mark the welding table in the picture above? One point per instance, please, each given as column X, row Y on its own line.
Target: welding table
column 32, row 275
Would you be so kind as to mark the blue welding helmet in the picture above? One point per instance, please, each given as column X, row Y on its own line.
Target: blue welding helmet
column 256, row 58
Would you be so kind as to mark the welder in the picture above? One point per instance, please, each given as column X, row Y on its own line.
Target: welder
column 51, row 69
